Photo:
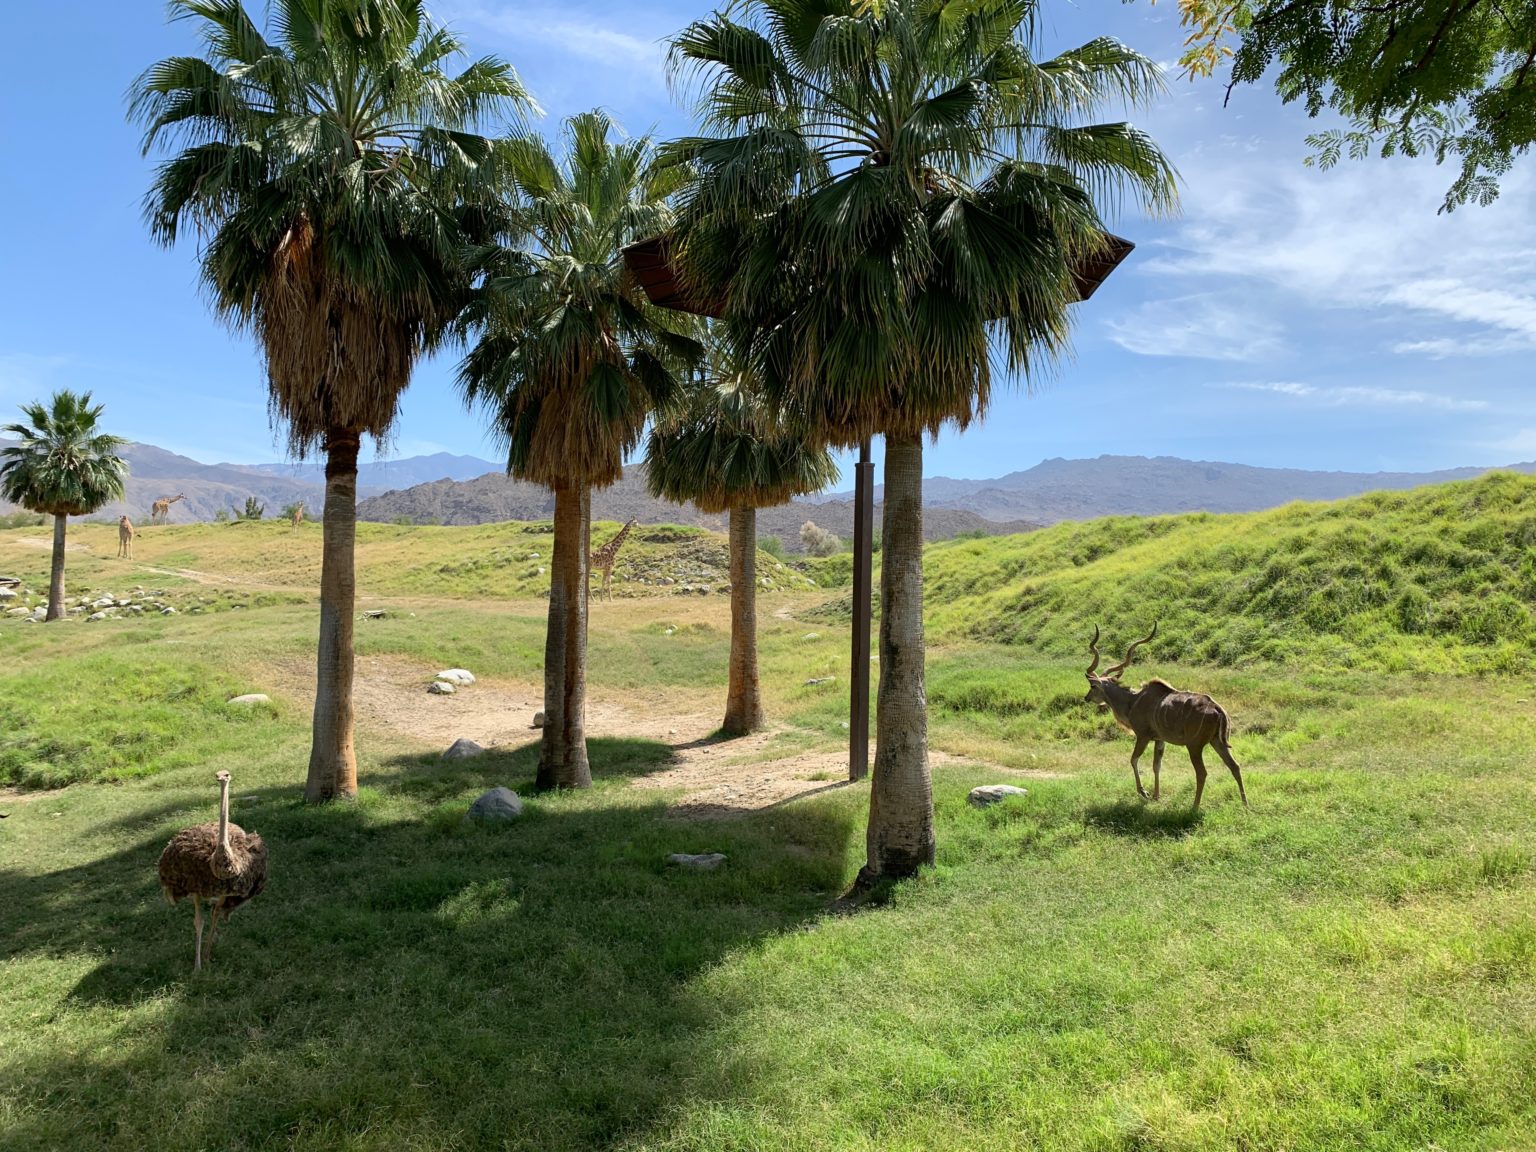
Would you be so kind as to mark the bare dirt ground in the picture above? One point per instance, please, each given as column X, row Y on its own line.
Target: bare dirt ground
column 717, row 778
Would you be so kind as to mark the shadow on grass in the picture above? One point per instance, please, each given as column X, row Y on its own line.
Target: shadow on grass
column 1141, row 818
column 430, row 778
column 409, row 977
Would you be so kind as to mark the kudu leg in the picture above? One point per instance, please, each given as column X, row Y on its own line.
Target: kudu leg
column 1195, row 759
column 1141, row 746
column 1237, row 773
column 1157, row 770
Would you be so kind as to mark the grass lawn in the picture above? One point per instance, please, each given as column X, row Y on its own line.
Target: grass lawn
column 1349, row 964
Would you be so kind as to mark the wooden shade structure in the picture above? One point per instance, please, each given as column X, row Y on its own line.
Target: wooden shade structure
column 650, row 262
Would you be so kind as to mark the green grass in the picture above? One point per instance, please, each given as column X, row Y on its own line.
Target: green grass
column 1349, row 964
column 1439, row 579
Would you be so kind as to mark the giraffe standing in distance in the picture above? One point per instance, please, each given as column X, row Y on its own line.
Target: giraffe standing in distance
column 160, row 511
column 298, row 514
column 124, row 538
column 601, row 559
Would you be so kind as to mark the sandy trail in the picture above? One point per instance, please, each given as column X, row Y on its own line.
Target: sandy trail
column 717, row 778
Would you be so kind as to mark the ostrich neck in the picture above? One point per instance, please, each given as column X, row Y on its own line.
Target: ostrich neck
column 224, row 815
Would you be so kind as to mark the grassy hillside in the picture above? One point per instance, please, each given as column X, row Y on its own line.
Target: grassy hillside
column 1438, row 579
column 1350, row 963
column 507, row 561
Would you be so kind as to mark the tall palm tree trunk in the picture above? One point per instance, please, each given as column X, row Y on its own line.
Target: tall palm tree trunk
column 332, row 762
column 563, row 751
column 900, row 838
column 743, row 701
column 56, row 573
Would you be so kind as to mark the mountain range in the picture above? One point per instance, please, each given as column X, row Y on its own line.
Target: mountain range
column 1058, row 489
column 444, row 488
column 383, row 475
column 208, row 489
column 498, row 497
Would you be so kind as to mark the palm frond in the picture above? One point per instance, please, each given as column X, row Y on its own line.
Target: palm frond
column 336, row 171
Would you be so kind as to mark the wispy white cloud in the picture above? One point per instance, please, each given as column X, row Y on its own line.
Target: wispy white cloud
column 1361, row 395
column 1520, row 446
column 1202, row 326
column 1364, row 238
column 565, row 31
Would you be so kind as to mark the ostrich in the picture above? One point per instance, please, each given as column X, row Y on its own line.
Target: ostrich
column 217, row 862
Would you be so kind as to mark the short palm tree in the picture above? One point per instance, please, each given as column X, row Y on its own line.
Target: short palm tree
column 726, row 452
column 894, row 196
column 332, row 174
column 568, row 360
column 63, row 465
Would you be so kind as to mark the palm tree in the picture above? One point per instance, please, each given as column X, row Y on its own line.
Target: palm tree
column 331, row 174
column 62, row 466
column 568, row 361
column 894, row 197
column 723, row 450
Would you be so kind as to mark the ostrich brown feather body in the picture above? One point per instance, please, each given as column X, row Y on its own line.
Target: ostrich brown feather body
column 218, row 862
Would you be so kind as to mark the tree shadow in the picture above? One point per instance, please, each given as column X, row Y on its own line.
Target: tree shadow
column 431, row 778
column 1151, row 820
column 527, row 984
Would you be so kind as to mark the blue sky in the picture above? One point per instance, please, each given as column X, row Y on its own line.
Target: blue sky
column 1286, row 317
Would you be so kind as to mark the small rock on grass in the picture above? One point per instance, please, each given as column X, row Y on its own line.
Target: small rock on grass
column 538, row 719
column 704, row 862
column 463, row 749
column 989, row 794
column 441, row 688
column 251, row 698
column 457, row 676
column 496, row 805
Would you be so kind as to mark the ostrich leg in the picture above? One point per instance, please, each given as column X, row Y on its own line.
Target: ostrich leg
column 213, row 931
column 197, row 921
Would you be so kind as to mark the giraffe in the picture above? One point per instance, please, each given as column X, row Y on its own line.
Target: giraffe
column 160, row 511
column 124, row 538
column 298, row 513
column 602, row 558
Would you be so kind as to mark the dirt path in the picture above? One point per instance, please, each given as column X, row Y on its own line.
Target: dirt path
column 716, row 778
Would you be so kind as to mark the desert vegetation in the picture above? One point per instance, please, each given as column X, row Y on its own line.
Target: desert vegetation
column 1345, row 963
column 555, row 902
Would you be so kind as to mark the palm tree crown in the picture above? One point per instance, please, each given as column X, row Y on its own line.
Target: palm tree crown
column 722, row 448
column 569, row 360
column 895, row 195
column 569, row 357
column 327, row 171
column 63, row 464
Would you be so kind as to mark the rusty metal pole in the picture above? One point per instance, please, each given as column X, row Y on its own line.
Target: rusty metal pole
column 863, row 569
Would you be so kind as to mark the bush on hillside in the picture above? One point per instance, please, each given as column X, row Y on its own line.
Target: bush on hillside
column 817, row 541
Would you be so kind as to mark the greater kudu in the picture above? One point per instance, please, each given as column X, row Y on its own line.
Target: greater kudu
column 1157, row 713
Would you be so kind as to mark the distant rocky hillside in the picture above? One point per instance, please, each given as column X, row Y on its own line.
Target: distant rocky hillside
column 154, row 473
column 494, row 498
column 1059, row 489
column 211, row 488
column 381, row 475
